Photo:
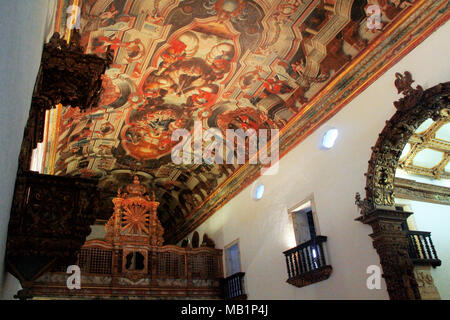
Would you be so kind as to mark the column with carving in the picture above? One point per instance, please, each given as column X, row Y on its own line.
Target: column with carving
column 156, row 230
column 391, row 244
column 378, row 207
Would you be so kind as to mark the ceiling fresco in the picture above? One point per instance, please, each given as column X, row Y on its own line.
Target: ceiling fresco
column 227, row 63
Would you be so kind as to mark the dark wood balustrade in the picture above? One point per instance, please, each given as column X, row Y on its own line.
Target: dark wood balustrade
column 421, row 248
column 233, row 287
column 308, row 262
column 162, row 272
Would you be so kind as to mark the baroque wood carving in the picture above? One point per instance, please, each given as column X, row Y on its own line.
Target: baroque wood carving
column 69, row 76
column 50, row 219
column 135, row 219
column 132, row 262
column 391, row 244
column 377, row 208
column 66, row 76
column 169, row 272
column 428, row 290
column 411, row 96
column 51, row 215
column 393, row 138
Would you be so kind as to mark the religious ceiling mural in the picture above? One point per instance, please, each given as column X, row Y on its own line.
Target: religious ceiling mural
column 262, row 64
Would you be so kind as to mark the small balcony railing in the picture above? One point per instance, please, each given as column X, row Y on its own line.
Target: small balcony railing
column 233, row 287
column 421, row 248
column 308, row 262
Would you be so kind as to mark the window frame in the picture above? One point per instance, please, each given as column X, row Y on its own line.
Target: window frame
column 225, row 248
column 292, row 211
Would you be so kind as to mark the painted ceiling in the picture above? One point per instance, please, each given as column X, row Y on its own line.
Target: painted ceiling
column 427, row 152
column 278, row 64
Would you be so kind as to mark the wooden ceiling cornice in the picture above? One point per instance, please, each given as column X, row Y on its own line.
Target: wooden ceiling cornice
column 413, row 190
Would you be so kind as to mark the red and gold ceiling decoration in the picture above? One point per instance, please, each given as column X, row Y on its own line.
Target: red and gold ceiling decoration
column 280, row 64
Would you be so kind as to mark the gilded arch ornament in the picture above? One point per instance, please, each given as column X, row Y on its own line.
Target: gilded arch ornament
column 414, row 108
column 377, row 208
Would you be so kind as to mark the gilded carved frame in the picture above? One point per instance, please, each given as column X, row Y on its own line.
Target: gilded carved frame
column 378, row 208
column 414, row 108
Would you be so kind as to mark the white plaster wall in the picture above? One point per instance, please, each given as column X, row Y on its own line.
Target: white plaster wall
column 434, row 218
column 24, row 25
column 333, row 176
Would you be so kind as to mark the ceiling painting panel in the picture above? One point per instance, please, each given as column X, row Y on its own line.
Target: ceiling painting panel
column 229, row 64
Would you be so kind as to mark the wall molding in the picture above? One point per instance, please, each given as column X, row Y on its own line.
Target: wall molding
column 418, row 191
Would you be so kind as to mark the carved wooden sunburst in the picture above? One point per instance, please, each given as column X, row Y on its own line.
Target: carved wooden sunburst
column 135, row 219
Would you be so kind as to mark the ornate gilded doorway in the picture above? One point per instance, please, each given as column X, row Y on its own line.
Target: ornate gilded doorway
column 378, row 208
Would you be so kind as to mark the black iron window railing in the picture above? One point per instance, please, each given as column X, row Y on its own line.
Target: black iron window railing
column 308, row 262
column 233, row 287
column 421, row 248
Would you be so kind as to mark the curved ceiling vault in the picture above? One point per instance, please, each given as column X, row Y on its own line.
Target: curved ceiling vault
column 227, row 63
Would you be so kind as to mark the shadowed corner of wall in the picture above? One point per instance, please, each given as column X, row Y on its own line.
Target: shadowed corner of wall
column 10, row 287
